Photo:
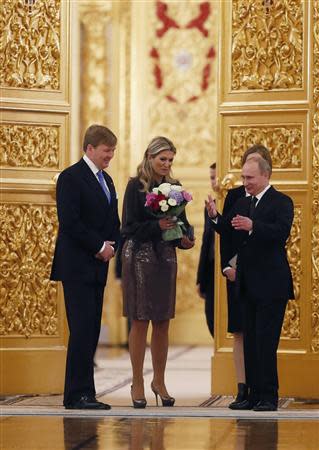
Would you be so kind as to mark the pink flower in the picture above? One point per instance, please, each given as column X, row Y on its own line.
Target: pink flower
column 187, row 196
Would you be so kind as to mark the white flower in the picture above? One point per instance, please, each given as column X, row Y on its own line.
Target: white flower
column 164, row 188
column 172, row 202
column 176, row 187
column 164, row 207
column 155, row 190
column 162, row 203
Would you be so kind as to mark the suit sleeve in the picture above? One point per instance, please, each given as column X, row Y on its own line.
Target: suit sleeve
column 203, row 253
column 279, row 229
column 226, row 246
column 70, row 223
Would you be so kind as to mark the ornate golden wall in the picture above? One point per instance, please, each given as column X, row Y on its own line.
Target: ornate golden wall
column 34, row 130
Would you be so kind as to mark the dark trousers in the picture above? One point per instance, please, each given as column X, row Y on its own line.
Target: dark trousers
column 209, row 305
column 83, row 303
column 262, row 327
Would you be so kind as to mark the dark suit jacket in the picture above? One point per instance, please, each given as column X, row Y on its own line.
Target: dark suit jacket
column 205, row 271
column 227, row 243
column 262, row 267
column 86, row 220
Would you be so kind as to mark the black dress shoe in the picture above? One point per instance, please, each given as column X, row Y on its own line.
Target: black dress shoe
column 86, row 402
column 241, row 395
column 244, row 405
column 264, row 405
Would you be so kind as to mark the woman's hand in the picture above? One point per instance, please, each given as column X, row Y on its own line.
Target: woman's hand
column 187, row 243
column 167, row 223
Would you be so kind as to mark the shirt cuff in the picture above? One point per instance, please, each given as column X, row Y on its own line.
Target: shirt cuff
column 102, row 248
column 226, row 268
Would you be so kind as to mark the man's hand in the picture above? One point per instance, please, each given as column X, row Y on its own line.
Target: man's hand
column 211, row 207
column 107, row 253
column 242, row 223
column 230, row 274
column 187, row 243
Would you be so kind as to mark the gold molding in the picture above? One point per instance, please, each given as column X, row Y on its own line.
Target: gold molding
column 285, row 143
column 95, row 80
column 29, row 301
column 291, row 324
column 30, row 56
column 315, row 187
column 267, row 45
column 25, row 145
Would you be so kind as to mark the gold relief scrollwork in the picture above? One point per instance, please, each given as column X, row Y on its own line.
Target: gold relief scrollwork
column 28, row 304
column 267, row 44
column 284, row 143
column 30, row 44
column 29, row 145
column 291, row 325
column 315, row 191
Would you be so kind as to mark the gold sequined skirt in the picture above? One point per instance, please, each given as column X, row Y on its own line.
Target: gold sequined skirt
column 149, row 280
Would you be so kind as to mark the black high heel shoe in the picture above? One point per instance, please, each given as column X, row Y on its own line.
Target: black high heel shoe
column 166, row 401
column 140, row 403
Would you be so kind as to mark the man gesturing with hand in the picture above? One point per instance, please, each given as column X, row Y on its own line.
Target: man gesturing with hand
column 87, row 238
column 260, row 225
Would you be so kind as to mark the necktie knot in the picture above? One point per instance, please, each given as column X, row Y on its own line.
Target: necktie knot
column 103, row 185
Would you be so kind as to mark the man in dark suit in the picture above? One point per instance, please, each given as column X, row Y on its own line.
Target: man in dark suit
column 88, row 234
column 260, row 226
column 228, row 251
column 205, row 271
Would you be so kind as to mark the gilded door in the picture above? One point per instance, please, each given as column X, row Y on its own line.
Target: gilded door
column 35, row 128
column 268, row 84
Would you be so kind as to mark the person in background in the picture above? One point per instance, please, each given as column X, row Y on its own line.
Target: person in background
column 149, row 269
column 228, row 250
column 205, row 271
column 88, row 233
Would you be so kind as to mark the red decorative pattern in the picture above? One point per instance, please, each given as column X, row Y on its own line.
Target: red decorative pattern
column 161, row 11
column 168, row 23
column 201, row 19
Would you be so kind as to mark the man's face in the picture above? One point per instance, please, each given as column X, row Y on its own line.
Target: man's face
column 253, row 180
column 101, row 155
column 212, row 177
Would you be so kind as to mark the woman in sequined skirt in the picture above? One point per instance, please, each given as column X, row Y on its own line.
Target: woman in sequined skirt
column 149, row 270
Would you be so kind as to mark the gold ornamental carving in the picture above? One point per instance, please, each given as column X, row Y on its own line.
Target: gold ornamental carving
column 30, row 44
column 182, row 78
column 267, row 44
column 291, row 325
column 28, row 305
column 283, row 141
column 29, row 145
column 95, row 78
column 315, row 191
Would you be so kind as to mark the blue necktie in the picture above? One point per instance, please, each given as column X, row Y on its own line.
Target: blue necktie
column 103, row 185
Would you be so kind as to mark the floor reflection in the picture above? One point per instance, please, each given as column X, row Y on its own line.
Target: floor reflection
column 74, row 433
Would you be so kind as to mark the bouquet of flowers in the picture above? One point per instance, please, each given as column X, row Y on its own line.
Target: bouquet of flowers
column 168, row 200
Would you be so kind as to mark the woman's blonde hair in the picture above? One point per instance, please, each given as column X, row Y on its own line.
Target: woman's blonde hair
column 145, row 172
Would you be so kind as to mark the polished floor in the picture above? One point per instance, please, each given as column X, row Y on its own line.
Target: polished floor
column 57, row 433
column 41, row 423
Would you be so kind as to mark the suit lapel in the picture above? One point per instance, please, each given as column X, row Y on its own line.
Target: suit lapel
column 265, row 200
column 93, row 183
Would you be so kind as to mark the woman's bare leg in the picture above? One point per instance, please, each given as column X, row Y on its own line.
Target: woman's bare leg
column 137, row 346
column 159, row 349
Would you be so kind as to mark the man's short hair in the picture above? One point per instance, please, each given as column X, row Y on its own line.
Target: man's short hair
column 213, row 166
column 261, row 150
column 99, row 134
